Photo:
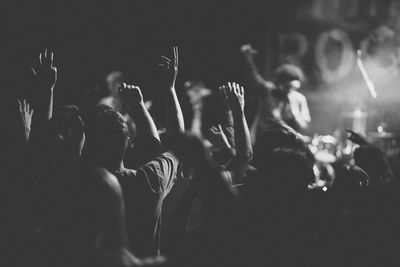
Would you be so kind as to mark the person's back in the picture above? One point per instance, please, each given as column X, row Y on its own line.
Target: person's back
column 278, row 206
column 82, row 222
column 144, row 189
column 144, row 192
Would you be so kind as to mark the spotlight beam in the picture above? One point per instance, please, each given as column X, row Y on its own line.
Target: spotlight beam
column 369, row 83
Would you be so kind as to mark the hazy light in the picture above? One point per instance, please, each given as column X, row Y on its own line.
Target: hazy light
column 370, row 84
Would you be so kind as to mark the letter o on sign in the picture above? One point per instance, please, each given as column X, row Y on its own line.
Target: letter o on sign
column 346, row 60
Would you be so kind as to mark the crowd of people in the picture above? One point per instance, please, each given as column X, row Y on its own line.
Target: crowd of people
column 106, row 185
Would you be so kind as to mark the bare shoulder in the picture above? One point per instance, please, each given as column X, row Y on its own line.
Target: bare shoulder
column 297, row 96
column 108, row 101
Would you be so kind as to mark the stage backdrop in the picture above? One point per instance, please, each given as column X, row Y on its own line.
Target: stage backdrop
column 323, row 36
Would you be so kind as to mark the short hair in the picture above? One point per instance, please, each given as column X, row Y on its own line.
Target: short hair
column 277, row 137
column 287, row 169
column 67, row 118
column 373, row 162
column 65, row 128
column 288, row 72
column 352, row 179
column 106, row 136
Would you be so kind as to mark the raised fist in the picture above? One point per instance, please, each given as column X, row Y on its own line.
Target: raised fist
column 130, row 95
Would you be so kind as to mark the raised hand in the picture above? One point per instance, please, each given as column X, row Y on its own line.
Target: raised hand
column 356, row 138
column 25, row 112
column 218, row 138
column 132, row 100
column 45, row 72
column 169, row 72
column 248, row 50
column 169, row 68
column 131, row 95
column 233, row 94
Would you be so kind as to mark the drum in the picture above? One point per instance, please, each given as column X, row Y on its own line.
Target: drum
column 324, row 148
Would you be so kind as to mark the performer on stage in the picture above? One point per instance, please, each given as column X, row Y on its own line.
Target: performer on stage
column 114, row 81
column 279, row 99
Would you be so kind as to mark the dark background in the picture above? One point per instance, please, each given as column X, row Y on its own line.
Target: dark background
column 92, row 38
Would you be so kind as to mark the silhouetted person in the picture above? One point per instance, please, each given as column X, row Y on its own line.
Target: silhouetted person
column 83, row 220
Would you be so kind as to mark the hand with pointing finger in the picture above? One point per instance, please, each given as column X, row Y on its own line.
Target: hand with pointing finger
column 169, row 68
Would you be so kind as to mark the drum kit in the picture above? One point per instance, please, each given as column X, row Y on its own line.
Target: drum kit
column 337, row 149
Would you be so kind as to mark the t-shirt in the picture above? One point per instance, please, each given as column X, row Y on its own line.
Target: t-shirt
column 145, row 149
column 144, row 191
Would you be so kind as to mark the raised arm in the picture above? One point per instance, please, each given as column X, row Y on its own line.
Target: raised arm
column 251, row 68
column 133, row 99
column 227, row 120
column 25, row 114
column 46, row 78
column 174, row 116
column 234, row 94
column 218, row 138
column 263, row 89
column 219, row 201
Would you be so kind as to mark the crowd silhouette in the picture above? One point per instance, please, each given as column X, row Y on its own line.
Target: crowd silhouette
column 107, row 185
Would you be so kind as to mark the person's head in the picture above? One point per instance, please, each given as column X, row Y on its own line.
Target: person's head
column 288, row 77
column 114, row 81
column 287, row 170
column 66, row 135
column 280, row 186
column 83, row 216
column 279, row 136
column 350, row 187
column 106, row 137
column 373, row 162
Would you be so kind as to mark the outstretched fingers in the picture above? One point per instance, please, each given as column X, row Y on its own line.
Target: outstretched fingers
column 223, row 92
column 52, row 60
column 24, row 106
column 164, row 62
column 27, row 107
column 46, row 60
column 176, row 56
column 20, row 105
column 213, row 130
column 166, row 59
column 40, row 59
